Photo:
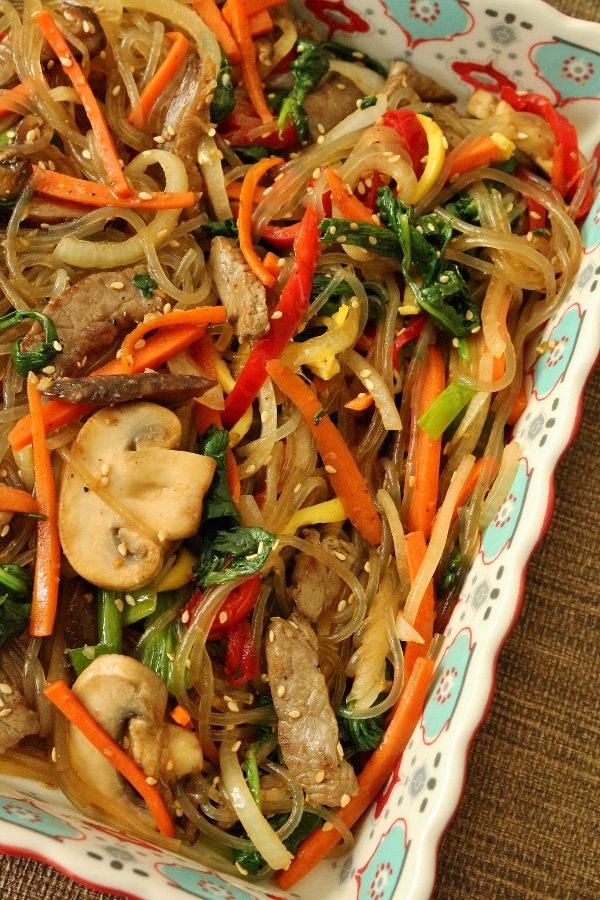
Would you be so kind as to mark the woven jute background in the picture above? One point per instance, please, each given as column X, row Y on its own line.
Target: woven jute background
column 528, row 827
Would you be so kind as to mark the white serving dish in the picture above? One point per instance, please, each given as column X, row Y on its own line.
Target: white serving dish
column 461, row 44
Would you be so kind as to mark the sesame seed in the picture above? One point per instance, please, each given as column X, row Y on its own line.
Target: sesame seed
column 430, row 227
column 185, row 616
column 151, row 780
column 354, row 302
column 5, row 530
column 372, row 240
column 89, row 652
column 54, row 755
column 395, row 158
column 353, row 226
column 331, row 470
column 167, row 308
column 104, row 481
column 476, row 329
column 159, row 139
column 232, row 706
column 341, row 606
column 340, row 750
column 364, row 373
column 277, row 314
column 444, row 142
column 105, row 468
column 320, row 777
column 49, row 370
column 116, row 90
column 370, row 385
column 119, row 604
column 340, row 556
column 294, row 714
column 321, row 128
column 129, row 600
column 419, row 228
column 223, row 617
column 320, row 139
column 235, row 747
column 444, row 279
column 340, row 86
column 122, row 548
column 522, row 135
column 250, row 469
column 66, row 61
column 327, row 826
column 171, row 128
column 271, row 636
column 126, row 743
column 139, row 344
column 530, row 236
column 32, row 135
column 170, row 765
column 240, row 867
column 341, row 239
column 281, row 690
column 5, row 712
column 5, row 688
column 533, row 214
column 161, row 236
column 332, row 230
column 367, row 567
column 145, row 195
column 345, row 800
column 469, row 315
column 117, row 285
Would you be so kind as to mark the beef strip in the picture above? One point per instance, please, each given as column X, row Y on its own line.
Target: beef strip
column 239, row 289
column 328, row 104
column 188, row 116
column 83, row 24
column 19, row 721
column 90, row 315
column 402, row 75
column 314, row 587
column 15, row 172
column 308, row 729
column 104, row 390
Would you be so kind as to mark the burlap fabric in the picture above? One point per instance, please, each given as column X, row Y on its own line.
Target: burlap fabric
column 528, row 827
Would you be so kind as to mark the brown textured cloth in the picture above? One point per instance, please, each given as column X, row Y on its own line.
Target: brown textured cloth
column 528, row 827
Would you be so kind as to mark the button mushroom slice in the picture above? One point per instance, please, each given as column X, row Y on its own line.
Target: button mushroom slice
column 127, row 494
column 15, row 172
column 128, row 700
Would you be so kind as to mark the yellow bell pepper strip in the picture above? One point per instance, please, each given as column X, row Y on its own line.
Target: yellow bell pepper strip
column 286, row 317
column 435, row 157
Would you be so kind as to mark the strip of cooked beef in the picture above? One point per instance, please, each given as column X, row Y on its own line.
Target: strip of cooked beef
column 104, row 390
column 314, row 587
column 402, row 75
column 188, row 116
column 90, row 315
column 15, row 172
column 16, row 719
column 329, row 103
column 239, row 289
column 84, row 25
column 308, row 730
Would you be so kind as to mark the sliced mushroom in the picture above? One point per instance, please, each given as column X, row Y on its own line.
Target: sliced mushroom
column 127, row 495
column 129, row 701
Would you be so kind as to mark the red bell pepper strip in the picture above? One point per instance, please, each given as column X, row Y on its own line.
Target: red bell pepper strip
column 235, row 607
column 407, row 334
column 241, row 662
column 411, row 133
column 286, row 317
column 566, row 168
column 280, row 236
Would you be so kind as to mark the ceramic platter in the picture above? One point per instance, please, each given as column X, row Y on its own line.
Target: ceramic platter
column 465, row 45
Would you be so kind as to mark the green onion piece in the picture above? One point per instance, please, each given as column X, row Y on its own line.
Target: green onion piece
column 445, row 409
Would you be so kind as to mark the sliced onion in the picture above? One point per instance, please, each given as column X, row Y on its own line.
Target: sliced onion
column 502, row 483
column 268, row 844
column 376, row 386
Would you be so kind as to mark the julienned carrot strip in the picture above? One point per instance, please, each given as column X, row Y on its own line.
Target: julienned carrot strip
column 249, row 185
column 46, row 577
column 17, row 94
column 212, row 17
column 200, row 317
column 17, row 501
column 416, row 548
column 427, row 464
column 360, row 402
column 157, row 350
column 472, row 479
column 483, row 152
column 91, row 193
column 234, row 191
column 103, row 137
column 377, row 770
column 349, row 206
column 180, row 715
column 162, row 77
column 271, row 263
column 259, row 22
column 61, row 695
column 519, row 405
column 344, row 475
column 255, row 6
column 240, row 27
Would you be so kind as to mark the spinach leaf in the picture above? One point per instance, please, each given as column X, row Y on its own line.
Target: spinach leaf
column 376, row 238
column 356, row 56
column 228, row 548
column 227, row 228
column 223, row 102
column 15, row 601
column 252, row 154
column 41, row 356
column 145, row 282
column 308, row 69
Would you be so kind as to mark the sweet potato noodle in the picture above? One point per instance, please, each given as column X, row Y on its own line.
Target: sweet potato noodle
column 278, row 301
